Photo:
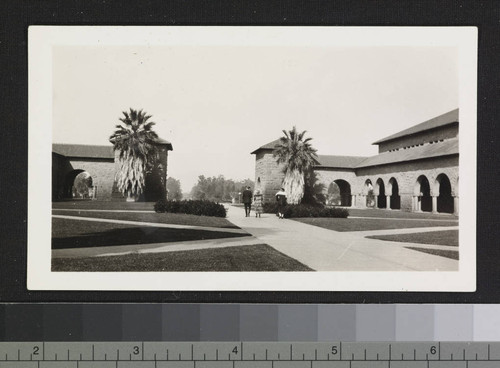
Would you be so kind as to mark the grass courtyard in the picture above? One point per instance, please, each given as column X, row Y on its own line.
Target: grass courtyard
column 444, row 237
column 76, row 231
column 369, row 223
column 70, row 233
column 260, row 257
column 107, row 226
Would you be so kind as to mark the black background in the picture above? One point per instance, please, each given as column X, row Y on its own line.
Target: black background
column 16, row 16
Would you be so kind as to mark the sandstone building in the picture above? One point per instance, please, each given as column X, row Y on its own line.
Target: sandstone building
column 100, row 163
column 415, row 170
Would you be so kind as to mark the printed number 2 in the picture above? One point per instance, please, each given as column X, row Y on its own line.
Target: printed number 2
column 36, row 349
column 334, row 350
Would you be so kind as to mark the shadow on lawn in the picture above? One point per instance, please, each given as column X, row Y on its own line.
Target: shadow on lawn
column 137, row 235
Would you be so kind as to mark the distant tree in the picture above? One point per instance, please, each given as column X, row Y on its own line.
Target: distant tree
column 134, row 140
column 174, row 189
column 314, row 190
column 298, row 156
column 334, row 194
column 218, row 188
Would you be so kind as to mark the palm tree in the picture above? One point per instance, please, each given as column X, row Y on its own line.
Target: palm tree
column 298, row 156
column 134, row 140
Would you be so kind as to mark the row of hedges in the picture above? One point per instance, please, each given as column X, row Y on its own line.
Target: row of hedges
column 303, row 210
column 198, row 207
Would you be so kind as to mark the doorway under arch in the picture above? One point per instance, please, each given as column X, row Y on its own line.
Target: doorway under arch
column 339, row 193
column 78, row 184
column 381, row 199
column 423, row 190
column 395, row 197
column 445, row 199
column 370, row 196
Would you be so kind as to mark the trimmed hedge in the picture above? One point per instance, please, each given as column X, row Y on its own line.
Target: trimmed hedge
column 190, row 207
column 304, row 210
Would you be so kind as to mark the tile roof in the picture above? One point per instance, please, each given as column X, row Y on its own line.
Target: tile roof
column 83, row 151
column 447, row 147
column 268, row 146
column 343, row 162
column 164, row 142
column 442, row 120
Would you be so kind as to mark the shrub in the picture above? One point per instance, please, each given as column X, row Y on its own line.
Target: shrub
column 303, row 210
column 198, row 207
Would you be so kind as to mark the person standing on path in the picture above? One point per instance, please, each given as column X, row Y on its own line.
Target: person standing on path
column 257, row 200
column 281, row 199
column 247, row 200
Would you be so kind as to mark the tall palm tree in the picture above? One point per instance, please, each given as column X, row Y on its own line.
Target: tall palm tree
column 134, row 140
column 298, row 156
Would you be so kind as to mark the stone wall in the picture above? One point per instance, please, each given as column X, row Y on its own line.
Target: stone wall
column 102, row 172
column 406, row 175
column 446, row 132
column 268, row 175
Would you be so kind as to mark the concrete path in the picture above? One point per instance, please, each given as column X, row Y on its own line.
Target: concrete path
column 120, row 250
column 327, row 250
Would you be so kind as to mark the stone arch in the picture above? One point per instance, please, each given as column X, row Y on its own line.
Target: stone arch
column 443, row 190
column 393, row 191
column 78, row 184
column 422, row 191
column 339, row 193
column 368, row 191
column 380, row 193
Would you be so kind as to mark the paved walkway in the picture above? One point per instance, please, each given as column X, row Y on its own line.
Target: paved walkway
column 120, row 250
column 327, row 250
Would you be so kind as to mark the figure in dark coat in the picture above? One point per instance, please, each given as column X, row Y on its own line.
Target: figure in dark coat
column 247, row 200
column 281, row 199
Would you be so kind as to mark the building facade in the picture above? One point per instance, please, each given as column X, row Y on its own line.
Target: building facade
column 100, row 164
column 415, row 170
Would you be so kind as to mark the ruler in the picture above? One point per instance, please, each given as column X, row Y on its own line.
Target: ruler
column 250, row 354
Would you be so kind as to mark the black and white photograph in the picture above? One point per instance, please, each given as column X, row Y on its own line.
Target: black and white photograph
column 252, row 158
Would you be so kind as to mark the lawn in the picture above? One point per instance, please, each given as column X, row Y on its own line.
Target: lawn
column 369, row 212
column 247, row 258
column 163, row 218
column 68, row 233
column 438, row 252
column 445, row 237
column 362, row 224
column 104, row 205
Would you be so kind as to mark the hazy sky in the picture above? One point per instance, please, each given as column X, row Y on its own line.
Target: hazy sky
column 217, row 104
